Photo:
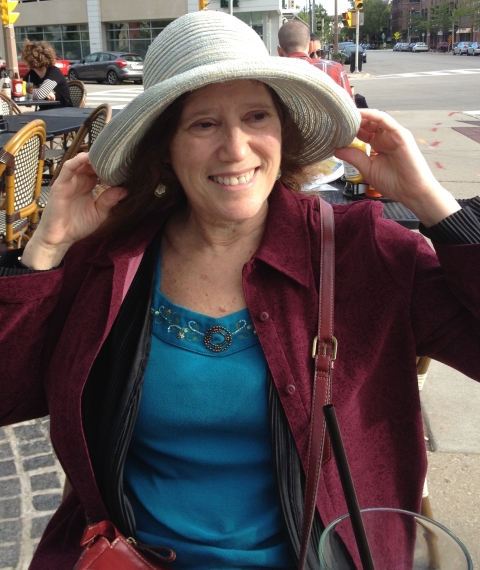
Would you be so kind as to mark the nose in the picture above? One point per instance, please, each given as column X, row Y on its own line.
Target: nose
column 235, row 144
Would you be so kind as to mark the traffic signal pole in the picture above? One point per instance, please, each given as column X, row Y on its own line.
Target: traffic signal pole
column 10, row 49
column 357, row 39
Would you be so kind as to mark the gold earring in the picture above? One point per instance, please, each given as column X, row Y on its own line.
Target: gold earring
column 160, row 191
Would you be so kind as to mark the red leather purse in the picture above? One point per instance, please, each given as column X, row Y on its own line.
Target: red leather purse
column 107, row 549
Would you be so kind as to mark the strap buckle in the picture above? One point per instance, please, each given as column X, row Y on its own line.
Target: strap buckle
column 324, row 352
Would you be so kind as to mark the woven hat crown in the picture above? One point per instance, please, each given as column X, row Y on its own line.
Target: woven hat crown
column 198, row 39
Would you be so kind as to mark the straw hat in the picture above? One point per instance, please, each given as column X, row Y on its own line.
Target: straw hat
column 204, row 47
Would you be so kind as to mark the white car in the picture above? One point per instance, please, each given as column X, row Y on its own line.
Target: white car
column 474, row 49
column 420, row 46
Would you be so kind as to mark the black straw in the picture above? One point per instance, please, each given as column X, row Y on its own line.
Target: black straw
column 348, row 488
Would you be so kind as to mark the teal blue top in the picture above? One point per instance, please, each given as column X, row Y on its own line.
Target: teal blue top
column 199, row 472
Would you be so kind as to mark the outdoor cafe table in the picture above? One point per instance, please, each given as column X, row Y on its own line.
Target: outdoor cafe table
column 37, row 103
column 333, row 193
column 57, row 121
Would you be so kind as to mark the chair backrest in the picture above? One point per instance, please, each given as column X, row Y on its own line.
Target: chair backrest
column 22, row 159
column 8, row 106
column 78, row 93
column 86, row 134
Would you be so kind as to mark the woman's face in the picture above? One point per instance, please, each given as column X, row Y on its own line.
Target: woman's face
column 226, row 151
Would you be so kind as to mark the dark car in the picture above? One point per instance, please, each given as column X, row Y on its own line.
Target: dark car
column 110, row 66
column 349, row 50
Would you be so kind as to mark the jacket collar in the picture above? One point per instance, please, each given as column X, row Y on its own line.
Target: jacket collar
column 284, row 246
column 285, row 243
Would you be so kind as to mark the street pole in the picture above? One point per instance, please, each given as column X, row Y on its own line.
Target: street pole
column 357, row 38
column 231, row 7
column 335, row 30
column 314, row 18
column 10, row 49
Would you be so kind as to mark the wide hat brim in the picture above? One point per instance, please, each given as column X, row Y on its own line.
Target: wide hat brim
column 322, row 110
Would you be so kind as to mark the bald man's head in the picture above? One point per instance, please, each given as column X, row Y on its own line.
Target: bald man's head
column 294, row 36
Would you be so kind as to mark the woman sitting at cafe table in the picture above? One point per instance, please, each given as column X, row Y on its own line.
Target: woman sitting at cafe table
column 49, row 82
column 166, row 324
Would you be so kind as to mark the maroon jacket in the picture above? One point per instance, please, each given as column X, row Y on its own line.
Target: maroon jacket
column 393, row 301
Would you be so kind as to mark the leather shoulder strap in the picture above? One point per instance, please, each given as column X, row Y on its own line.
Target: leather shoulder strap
column 324, row 351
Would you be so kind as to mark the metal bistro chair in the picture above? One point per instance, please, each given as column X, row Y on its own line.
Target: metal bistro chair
column 82, row 141
column 21, row 161
column 54, row 155
column 8, row 106
column 78, row 93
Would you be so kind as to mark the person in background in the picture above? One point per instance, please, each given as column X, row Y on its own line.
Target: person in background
column 294, row 40
column 48, row 80
column 316, row 50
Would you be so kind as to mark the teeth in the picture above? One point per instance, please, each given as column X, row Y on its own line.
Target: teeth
column 233, row 180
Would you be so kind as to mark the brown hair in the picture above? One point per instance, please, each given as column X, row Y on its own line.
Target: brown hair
column 148, row 167
column 38, row 54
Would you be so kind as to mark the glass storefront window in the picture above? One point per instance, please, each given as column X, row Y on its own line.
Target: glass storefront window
column 133, row 37
column 69, row 41
column 252, row 19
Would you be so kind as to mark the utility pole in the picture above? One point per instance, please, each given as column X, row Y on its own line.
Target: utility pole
column 335, row 30
column 314, row 18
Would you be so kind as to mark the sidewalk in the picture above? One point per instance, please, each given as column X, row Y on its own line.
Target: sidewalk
column 31, row 479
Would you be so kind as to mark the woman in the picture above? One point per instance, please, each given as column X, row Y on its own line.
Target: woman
column 48, row 80
column 169, row 323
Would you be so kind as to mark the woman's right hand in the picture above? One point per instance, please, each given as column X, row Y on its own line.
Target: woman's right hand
column 71, row 214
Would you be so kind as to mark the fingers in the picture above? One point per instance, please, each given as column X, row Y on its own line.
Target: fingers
column 356, row 158
column 110, row 198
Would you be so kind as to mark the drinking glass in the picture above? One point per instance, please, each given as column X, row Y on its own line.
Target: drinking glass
column 29, row 91
column 398, row 540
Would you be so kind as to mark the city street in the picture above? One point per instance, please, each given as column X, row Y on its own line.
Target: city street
column 436, row 97
column 416, row 81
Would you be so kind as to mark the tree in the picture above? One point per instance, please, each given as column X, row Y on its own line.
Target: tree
column 377, row 16
column 440, row 19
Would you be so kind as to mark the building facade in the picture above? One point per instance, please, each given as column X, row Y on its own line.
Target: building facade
column 78, row 27
column 405, row 13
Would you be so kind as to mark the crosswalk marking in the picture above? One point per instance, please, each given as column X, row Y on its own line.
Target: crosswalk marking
column 429, row 73
column 117, row 98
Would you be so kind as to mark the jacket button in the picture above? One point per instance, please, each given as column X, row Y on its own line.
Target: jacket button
column 290, row 389
column 264, row 316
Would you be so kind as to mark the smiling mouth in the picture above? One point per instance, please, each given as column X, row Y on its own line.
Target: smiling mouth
column 235, row 180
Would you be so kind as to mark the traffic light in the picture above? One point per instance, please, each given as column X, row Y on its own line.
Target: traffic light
column 358, row 4
column 347, row 19
column 8, row 17
column 319, row 26
column 202, row 4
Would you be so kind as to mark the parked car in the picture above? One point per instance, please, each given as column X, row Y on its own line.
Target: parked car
column 349, row 50
column 461, row 48
column 398, row 46
column 110, row 66
column 410, row 46
column 473, row 48
column 420, row 46
column 62, row 64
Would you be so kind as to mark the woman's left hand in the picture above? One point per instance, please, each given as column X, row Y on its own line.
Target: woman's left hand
column 399, row 170
column 50, row 96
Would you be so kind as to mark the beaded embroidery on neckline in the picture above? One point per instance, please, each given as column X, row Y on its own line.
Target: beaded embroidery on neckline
column 216, row 338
